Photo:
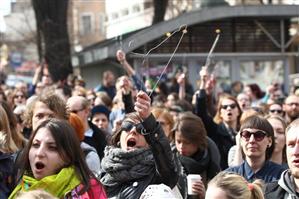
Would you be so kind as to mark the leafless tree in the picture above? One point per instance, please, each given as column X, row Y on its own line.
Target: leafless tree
column 51, row 20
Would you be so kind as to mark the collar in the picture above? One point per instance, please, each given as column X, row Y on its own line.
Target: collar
column 250, row 175
column 88, row 133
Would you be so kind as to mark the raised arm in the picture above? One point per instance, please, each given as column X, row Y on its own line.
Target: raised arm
column 201, row 109
column 121, row 57
column 164, row 159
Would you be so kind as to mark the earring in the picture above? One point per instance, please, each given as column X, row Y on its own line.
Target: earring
column 118, row 144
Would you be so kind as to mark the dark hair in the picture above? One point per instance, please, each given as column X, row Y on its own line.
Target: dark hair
column 256, row 90
column 257, row 122
column 100, row 109
column 192, row 128
column 68, row 147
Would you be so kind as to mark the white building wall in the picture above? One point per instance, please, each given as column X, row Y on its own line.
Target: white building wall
column 126, row 15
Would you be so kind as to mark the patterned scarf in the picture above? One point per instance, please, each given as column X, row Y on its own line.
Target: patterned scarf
column 123, row 166
column 58, row 185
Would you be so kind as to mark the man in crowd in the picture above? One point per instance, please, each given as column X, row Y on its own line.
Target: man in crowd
column 291, row 108
column 288, row 184
column 94, row 136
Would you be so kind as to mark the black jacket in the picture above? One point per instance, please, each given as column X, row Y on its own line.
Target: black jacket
column 217, row 132
column 6, row 173
column 284, row 188
column 206, row 163
column 98, row 139
column 166, row 169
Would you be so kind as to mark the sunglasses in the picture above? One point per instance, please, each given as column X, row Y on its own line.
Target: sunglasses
column 76, row 111
column 128, row 126
column 19, row 96
column 275, row 110
column 232, row 106
column 258, row 135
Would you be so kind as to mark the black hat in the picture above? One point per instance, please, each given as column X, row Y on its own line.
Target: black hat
column 100, row 109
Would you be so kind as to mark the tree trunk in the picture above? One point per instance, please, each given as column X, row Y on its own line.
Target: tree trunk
column 159, row 10
column 51, row 19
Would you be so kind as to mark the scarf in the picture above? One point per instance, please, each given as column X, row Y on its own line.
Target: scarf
column 58, row 185
column 123, row 166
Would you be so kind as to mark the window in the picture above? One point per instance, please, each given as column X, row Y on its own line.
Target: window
column 124, row 12
column 114, row 16
column 136, row 8
column 86, row 24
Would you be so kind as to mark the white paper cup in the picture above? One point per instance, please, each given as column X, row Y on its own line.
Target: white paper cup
column 191, row 178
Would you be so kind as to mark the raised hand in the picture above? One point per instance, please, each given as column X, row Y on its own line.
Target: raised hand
column 143, row 105
column 120, row 56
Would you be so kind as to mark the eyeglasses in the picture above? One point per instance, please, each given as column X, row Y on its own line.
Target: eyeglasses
column 293, row 104
column 76, row 111
column 19, row 96
column 258, row 135
column 232, row 106
column 128, row 126
column 275, row 110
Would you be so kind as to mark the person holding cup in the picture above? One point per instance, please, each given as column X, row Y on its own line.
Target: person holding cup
column 198, row 155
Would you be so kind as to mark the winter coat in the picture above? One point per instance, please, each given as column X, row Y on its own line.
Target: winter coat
column 98, row 139
column 164, row 169
column 284, row 188
column 6, row 173
column 206, row 163
column 217, row 132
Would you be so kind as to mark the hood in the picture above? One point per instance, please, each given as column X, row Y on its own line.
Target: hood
column 86, row 147
column 288, row 184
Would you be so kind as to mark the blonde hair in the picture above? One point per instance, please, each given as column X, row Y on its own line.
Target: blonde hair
column 35, row 194
column 236, row 187
column 248, row 113
column 7, row 143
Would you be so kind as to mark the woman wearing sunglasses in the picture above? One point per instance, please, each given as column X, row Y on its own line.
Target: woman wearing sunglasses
column 257, row 143
column 140, row 155
column 222, row 130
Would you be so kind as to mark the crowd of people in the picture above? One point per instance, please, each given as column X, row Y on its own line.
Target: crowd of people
column 128, row 138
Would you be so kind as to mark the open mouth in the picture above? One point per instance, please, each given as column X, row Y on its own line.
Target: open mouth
column 131, row 142
column 39, row 165
column 296, row 161
column 229, row 114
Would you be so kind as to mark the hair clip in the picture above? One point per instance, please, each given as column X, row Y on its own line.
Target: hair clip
column 250, row 186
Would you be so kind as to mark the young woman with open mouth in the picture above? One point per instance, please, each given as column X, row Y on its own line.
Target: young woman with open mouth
column 140, row 155
column 53, row 161
column 223, row 129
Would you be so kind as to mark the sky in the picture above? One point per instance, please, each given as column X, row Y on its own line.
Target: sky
column 5, row 7
column 4, row 10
